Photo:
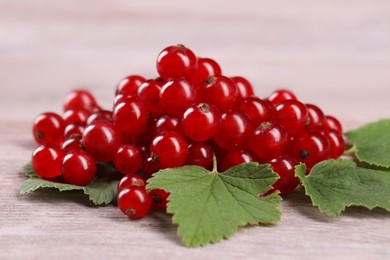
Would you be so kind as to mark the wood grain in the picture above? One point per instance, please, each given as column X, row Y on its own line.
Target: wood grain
column 332, row 53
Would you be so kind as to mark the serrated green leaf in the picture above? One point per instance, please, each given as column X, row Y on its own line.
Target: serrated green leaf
column 209, row 206
column 28, row 170
column 33, row 184
column 372, row 143
column 334, row 185
column 102, row 191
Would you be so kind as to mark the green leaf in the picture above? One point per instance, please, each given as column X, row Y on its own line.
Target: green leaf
column 28, row 170
column 102, row 190
column 334, row 185
column 372, row 143
column 35, row 183
column 209, row 206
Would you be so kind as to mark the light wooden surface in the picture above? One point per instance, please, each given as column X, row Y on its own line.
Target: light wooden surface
column 332, row 53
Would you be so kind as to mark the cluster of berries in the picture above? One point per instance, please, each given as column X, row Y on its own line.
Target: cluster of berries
column 189, row 115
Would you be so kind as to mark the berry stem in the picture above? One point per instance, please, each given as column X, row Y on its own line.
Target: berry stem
column 215, row 166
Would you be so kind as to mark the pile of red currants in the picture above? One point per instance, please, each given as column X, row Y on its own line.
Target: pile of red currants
column 188, row 115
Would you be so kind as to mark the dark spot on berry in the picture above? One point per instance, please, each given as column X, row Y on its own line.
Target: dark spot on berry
column 210, row 80
column 130, row 212
column 157, row 199
column 40, row 135
column 303, row 154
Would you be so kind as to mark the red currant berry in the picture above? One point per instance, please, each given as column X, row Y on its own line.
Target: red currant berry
column 269, row 140
column 102, row 115
column 80, row 99
column 71, row 130
column 170, row 148
column 291, row 115
column 234, row 158
column 316, row 118
column 233, row 131
column 244, row 87
column 101, row 139
column 177, row 95
column 124, row 96
column 175, row 61
column 284, row 166
column 73, row 143
column 206, row 67
column 310, row 148
column 336, row 142
column 128, row 159
column 129, row 85
column 46, row 160
column 76, row 116
column 281, row 95
column 332, row 123
column 258, row 110
column 131, row 117
column 159, row 198
column 130, row 180
column 78, row 168
column 200, row 154
column 201, row 122
column 134, row 201
column 48, row 128
column 149, row 94
column 168, row 123
column 221, row 92
column 150, row 165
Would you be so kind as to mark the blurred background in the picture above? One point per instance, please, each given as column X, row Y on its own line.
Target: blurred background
column 332, row 53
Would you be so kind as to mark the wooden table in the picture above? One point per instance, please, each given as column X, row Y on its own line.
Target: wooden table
column 332, row 53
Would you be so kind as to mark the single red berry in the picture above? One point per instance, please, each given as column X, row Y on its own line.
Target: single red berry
column 128, row 159
column 268, row 140
column 73, row 143
column 130, row 180
column 46, row 160
column 221, row 92
column 200, row 154
column 234, row 130
column 336, row 142
column 175, row 61
column 78, row 168
column 80, row 99
column 76, row 116
column 101, row 139
column 284, row 166
column 150, row 165
column 332, row 123
column 102, row 115
column 177, row 95
column 149, row 94
column 291, row 115
column 244, row 87
column 280, row 95
column 206, row 67
column 131, row 117
column 201, row 122
column 129, row 85
column 168, row 123
column 159, row 198
column 316, row 118
column 170, row 148
column 234, row 158
column 48, row 128
column 258, row 110
column 75, row 129
column 134, row 201
column 310, row 148
column 124, row 96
